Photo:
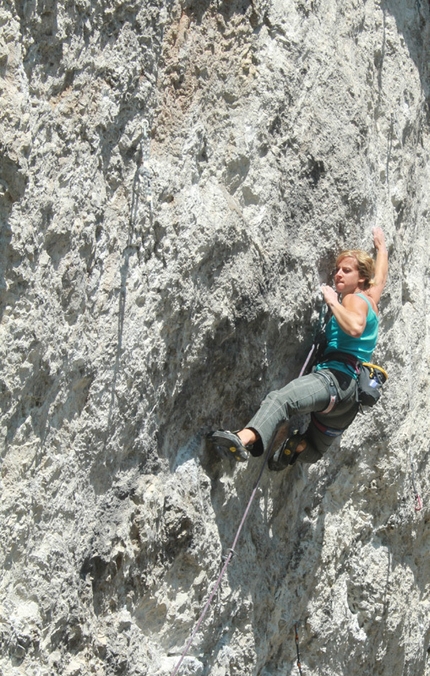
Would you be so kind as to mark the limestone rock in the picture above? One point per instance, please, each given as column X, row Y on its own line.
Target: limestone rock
column 175, row 181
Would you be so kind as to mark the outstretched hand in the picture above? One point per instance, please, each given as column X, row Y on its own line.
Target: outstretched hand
column 378, row 238
column 381, row 266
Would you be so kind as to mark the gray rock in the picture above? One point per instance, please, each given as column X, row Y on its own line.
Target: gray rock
column 175, row 181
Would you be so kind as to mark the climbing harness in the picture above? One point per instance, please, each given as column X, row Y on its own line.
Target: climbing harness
column 332, row 390
column 370, row 377
column 329, row 431
column 296, row 638
column 344, row 358
column 231, row 551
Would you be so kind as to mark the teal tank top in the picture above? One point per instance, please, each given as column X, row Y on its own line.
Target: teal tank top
column 361, row 347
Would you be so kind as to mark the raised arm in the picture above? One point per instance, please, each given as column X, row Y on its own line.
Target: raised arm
column 381, row 266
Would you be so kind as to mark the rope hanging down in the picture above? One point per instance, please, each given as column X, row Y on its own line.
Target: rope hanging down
column 231, row 551
column 296, row 638
column 229, row 557
column 417, row 496
column 144, row 169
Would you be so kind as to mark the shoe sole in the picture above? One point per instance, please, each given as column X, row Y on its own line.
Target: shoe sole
column 226, row 449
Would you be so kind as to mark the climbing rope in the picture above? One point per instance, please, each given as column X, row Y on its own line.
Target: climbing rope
column 231, row 551
column 418, row 503
column 417, row 496
column 296, row 638
column 144, row 168
column 318, row 340
column 229, row 557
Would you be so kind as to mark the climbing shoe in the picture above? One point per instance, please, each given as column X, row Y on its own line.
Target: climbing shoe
column 286, row 454
column 228, row 445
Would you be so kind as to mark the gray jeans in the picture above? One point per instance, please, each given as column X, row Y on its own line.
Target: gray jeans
column 309, row 394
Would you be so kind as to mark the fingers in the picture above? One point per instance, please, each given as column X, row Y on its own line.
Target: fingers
column 378, row 236
column 328, row 293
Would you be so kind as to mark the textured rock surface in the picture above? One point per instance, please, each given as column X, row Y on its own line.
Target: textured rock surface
column 268, row 135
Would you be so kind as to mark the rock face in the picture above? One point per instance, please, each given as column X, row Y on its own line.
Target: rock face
column 175, row 181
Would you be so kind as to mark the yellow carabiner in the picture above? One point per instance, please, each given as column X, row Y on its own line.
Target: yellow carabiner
column 379, row 369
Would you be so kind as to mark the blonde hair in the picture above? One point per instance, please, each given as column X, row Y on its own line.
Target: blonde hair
column 365, row 264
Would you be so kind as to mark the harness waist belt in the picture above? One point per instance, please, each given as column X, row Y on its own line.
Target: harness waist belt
column 342, row 357
column 329, row 431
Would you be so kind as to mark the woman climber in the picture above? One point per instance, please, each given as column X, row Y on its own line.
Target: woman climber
column 329, row 392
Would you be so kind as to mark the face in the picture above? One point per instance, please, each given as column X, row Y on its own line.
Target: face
column 347, row 278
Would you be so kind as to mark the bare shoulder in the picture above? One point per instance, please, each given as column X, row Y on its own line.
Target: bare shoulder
column 371, row 298
column 354, row 303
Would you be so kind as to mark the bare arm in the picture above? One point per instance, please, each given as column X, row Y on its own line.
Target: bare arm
column 351, row 315
column 381, row 266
